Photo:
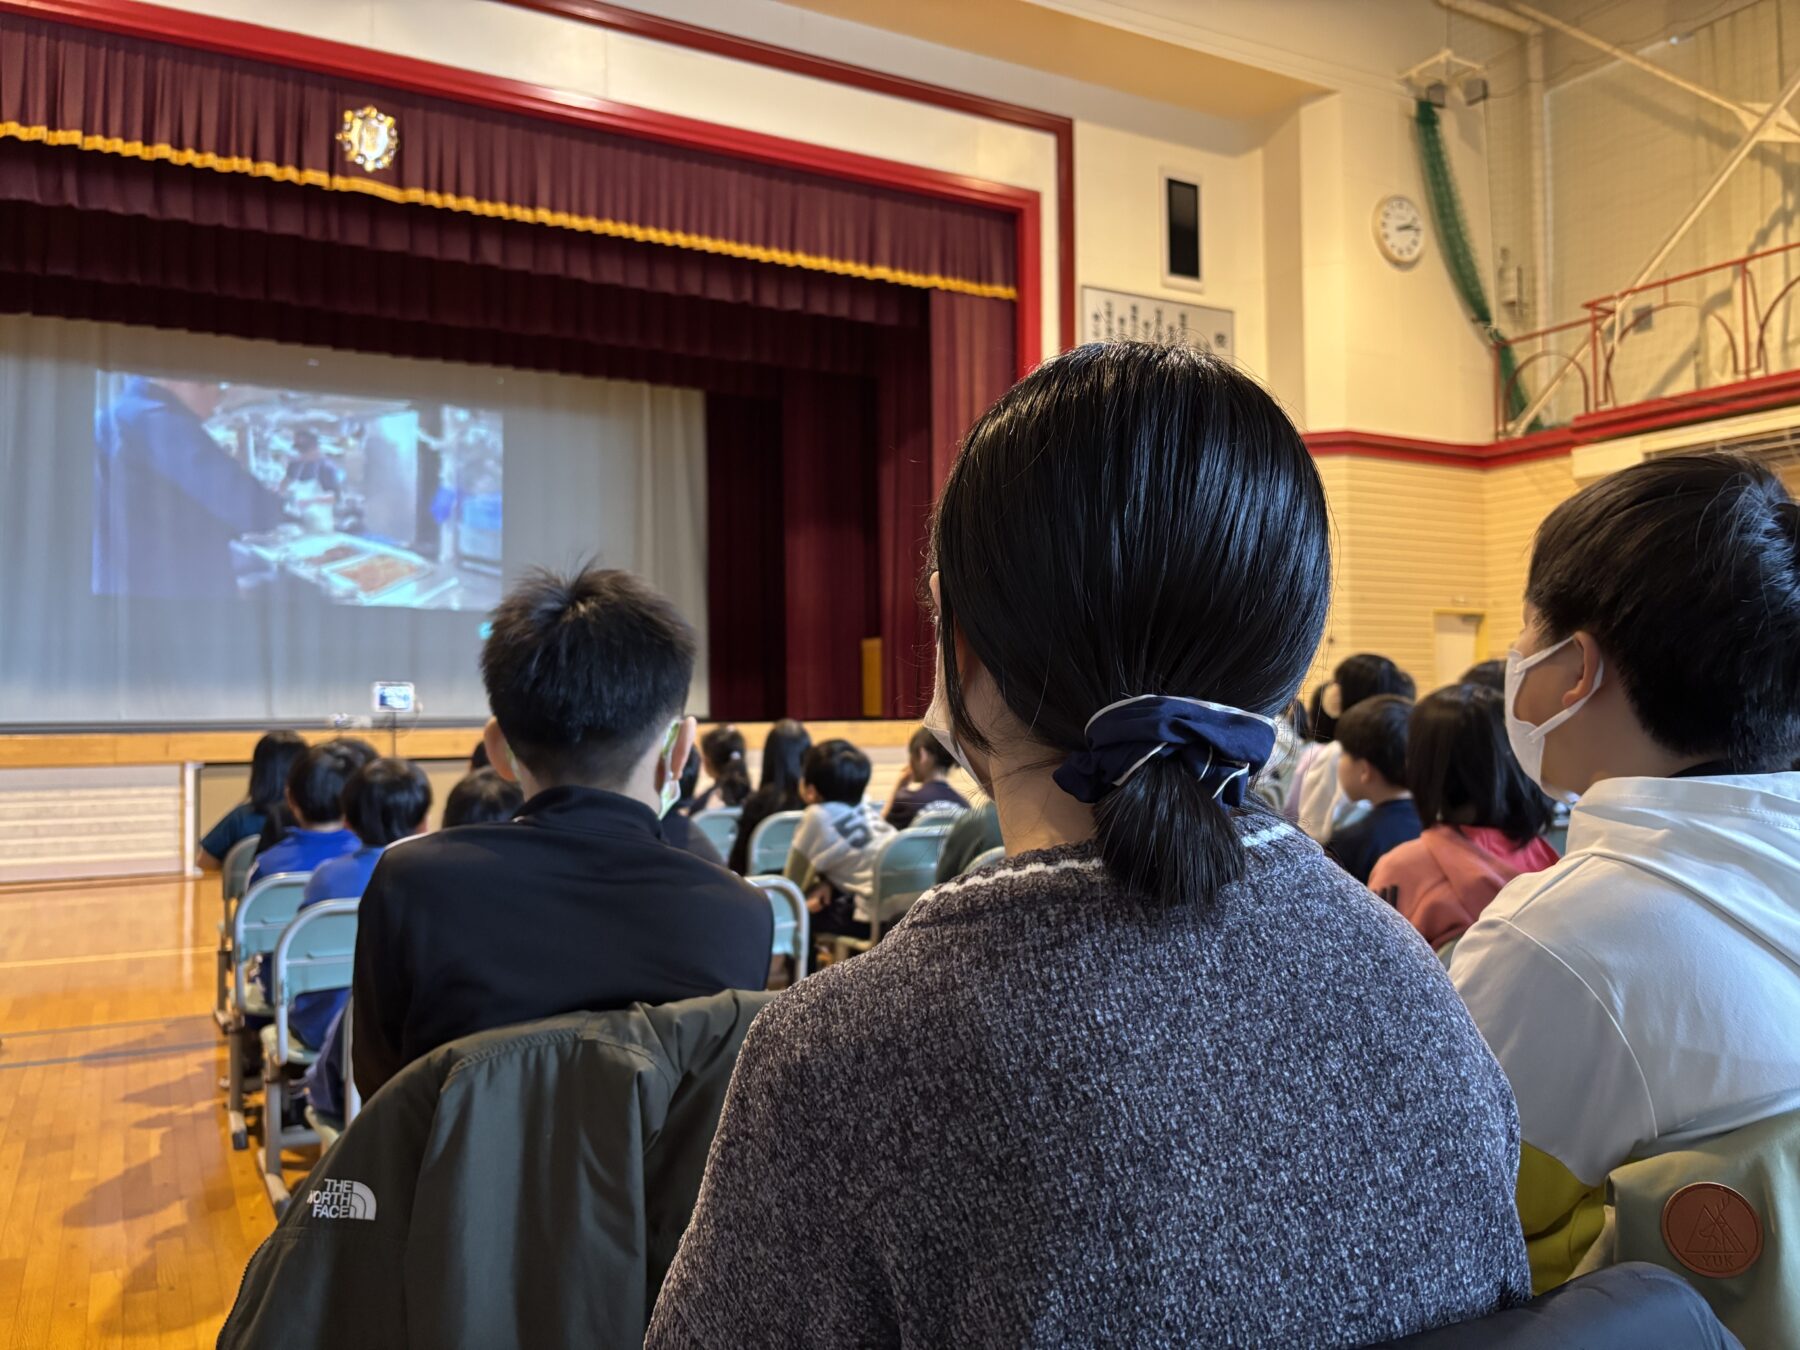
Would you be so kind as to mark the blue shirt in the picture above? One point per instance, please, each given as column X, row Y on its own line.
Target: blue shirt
column 302, row 851
column 337, row 879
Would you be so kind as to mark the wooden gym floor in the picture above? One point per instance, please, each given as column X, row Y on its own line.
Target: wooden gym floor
column 125, row 1217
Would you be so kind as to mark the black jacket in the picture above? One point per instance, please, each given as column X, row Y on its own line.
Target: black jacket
column 576, row 904
column 523, row 1187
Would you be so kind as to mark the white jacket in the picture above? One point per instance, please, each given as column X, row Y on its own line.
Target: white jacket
column 1645, row 991
column 1316, row 800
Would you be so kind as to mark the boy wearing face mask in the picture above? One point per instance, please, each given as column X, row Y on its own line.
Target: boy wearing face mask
column 1643, row 993
column 577, row 903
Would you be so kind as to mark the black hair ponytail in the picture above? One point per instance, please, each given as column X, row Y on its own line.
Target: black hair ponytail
column 1134, row 519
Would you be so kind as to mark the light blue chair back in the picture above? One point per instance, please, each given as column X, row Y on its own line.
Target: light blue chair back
column 317, row 952
column 234, row 867
column 905, row 868
column 720, row 826
column 262, row 916
column 771, row 842
column 793, row 924
column 988, row 859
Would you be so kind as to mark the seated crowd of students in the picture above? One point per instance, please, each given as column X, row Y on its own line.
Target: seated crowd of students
column 1172, row 1073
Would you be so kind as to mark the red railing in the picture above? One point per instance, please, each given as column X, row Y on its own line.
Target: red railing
column 1580, row 357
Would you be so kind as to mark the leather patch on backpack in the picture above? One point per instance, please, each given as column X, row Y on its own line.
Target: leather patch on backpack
column 1712, row 1230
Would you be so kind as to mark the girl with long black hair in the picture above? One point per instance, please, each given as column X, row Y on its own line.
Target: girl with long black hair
column 1165, row 1076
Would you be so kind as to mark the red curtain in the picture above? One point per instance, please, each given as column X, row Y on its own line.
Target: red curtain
column 829, row 512
column 221, row 203
column 100, row 98
column 934, row 385
column 746, row 592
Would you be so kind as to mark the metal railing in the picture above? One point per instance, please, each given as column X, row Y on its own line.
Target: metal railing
column 1619, row 354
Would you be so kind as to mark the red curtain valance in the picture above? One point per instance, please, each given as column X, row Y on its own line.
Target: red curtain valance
column 82, row 91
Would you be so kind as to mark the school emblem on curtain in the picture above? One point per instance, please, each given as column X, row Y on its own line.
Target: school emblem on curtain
column 370, row 138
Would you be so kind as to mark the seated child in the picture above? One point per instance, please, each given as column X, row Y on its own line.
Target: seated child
column 1372, row 769
column 387, row 800
column 313, row 819
column 838, row 838
column 1484, row 819
column 482, row 797
column 924, row 785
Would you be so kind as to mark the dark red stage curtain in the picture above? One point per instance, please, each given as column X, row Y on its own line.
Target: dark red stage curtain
column 829, row 516
column 933, row 387
column 165, row 274
column 129, row 104
column 746, row 594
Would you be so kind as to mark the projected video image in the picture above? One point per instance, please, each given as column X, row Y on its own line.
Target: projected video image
column 204, row 489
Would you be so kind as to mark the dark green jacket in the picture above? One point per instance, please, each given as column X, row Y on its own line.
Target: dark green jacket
column 521, row 1187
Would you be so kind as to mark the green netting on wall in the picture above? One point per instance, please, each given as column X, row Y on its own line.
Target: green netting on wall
column 1459, row 254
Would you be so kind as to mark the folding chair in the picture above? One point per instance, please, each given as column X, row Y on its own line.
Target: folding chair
column 905, row 868
column 793, row 922
column 234, row 872
column 720, row 826
column 771, row 841
column 316, row 953
column 988, row 859
column 255, row 929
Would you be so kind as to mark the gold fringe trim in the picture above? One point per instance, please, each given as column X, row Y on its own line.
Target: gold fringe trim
column 475, row 206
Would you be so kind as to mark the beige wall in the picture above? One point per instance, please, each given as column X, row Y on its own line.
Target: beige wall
column 1411, row 541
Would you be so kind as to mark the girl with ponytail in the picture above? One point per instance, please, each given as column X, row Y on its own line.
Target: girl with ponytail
column 1156, row 1078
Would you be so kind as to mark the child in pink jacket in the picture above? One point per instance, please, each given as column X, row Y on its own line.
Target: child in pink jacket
column 1484, row 819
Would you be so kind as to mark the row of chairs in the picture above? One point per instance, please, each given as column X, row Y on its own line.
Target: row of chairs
column 313, row 950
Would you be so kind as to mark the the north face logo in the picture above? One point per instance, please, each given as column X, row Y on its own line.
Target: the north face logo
column 342, row 1200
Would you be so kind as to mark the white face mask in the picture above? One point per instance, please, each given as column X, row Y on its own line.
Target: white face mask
column 1528, row 740
column 937, row 721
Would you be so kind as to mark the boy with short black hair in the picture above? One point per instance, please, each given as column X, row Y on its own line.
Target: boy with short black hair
column 838, row 838
column 1372, row 769
column 314, row 803
column 1644, row 991
column 579, row 903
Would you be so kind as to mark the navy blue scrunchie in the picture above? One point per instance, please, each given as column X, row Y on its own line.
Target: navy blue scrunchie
column 1222, row 747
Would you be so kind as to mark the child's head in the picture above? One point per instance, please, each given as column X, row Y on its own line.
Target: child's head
column 835, row 771
column 315, row 785
column 385, row 800
column 723, row 749
column 784, row 753
column 1364, row 676
column 482, row 797
column 586, row 676
column 1491, row 674
column 926, row 757
column 270, row 763
column 1373, row 735
column 1662, row 626
column 1462, row 771
column 1111, row 530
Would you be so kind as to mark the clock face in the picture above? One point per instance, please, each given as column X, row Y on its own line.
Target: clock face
column 1400, row 230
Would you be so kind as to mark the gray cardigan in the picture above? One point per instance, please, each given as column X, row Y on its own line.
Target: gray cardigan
column 1044, row 1113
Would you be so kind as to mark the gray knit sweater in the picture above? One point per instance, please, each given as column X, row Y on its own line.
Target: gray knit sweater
column 1043, row 1113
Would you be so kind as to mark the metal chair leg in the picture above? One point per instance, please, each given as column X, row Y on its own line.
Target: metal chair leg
column 234, row 1100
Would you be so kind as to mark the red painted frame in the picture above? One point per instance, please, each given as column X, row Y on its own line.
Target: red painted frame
column 252, row 41
column 1061, row 129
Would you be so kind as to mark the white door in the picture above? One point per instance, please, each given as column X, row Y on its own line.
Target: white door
column 1457, row 640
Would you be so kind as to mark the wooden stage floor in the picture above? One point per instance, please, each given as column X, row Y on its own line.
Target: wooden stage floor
column 125, row 1216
